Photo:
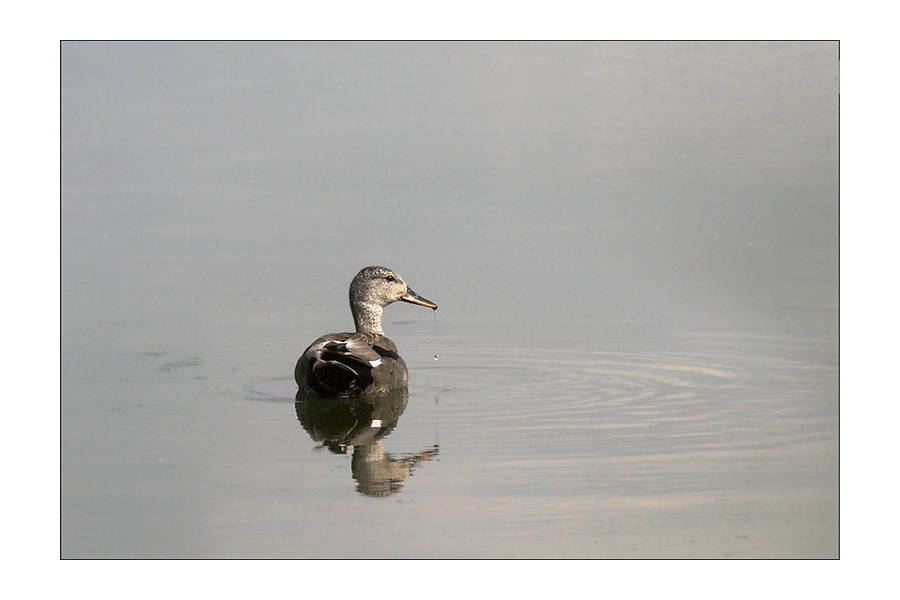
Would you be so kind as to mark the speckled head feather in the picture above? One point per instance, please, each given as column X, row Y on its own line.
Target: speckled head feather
column 371, row 290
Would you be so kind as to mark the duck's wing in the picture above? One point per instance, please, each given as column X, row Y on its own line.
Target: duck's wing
column 341, row 364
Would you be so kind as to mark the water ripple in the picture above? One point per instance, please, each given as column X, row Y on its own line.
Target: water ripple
column 736, row 398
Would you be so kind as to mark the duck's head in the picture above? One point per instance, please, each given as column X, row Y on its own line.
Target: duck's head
column 372, row 289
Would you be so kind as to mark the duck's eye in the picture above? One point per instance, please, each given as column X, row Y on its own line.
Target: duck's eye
column 390, row 278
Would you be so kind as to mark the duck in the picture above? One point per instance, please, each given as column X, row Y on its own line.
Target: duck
column 365, row 362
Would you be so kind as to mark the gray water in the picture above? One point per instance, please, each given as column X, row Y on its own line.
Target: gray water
column 634, row 251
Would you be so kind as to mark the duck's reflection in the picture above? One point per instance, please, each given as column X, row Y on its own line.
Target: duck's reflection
column 358, row 425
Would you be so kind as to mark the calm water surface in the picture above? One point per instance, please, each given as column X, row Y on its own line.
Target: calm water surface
column 634, row 251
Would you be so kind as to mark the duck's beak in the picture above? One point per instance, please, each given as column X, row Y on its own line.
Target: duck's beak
column 413, row 298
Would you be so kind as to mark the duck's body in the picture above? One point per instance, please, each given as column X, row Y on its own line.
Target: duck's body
column 365, row 362
column 350, row 364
